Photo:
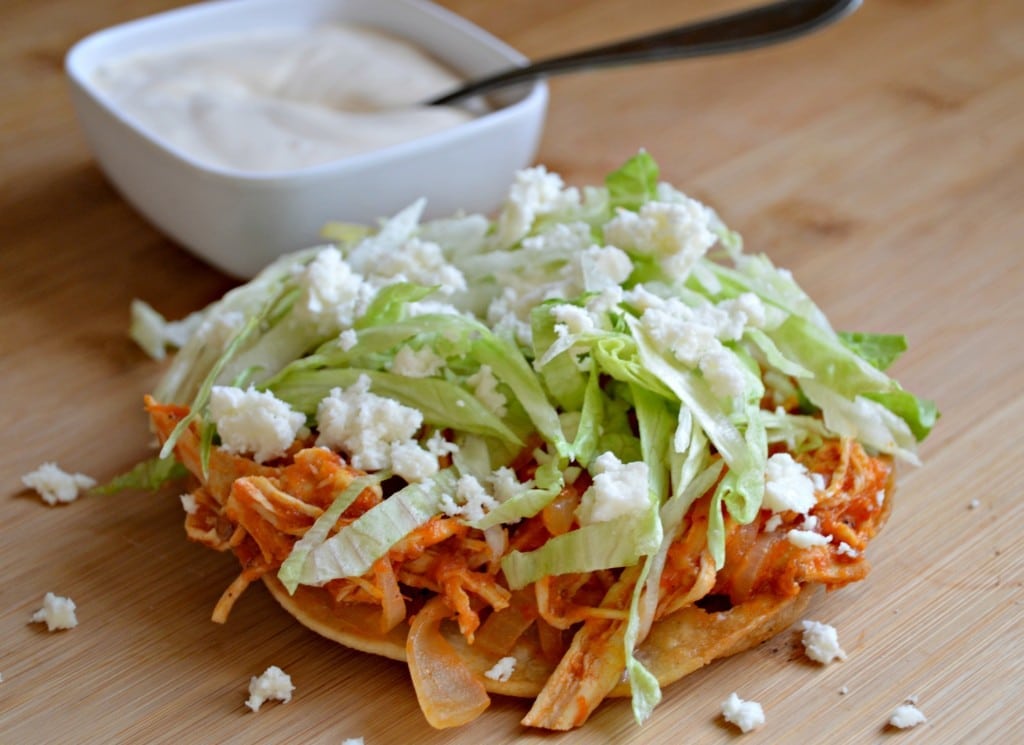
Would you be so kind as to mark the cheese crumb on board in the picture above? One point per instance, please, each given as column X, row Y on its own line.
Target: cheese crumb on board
column 746, row 715
column 57, row 613
column 55, row 485
column 906, row 716
column 821, row 642
column 274, row 683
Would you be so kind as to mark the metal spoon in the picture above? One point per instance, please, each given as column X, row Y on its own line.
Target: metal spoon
column 747, row 29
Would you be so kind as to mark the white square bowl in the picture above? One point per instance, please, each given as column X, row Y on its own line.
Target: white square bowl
column 239, row 221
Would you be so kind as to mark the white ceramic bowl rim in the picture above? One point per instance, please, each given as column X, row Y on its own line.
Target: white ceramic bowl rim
column 84, row 55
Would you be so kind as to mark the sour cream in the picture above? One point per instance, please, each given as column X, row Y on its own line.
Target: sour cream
column 280, row 100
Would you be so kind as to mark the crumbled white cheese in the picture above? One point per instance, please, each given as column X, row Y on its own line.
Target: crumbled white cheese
column 188, row 503
column 56, row 486
column 880, row 497
column 618, row 489
column 502, row 669
column 333, row 293
column 556, row 273
column 677, row 234
column 411, row 462
column 746, row 715
column 694, row 335
column 471, row 501
column 449, row 506
column 561, row 240
column 974, row 504
column 845, row 549
column 439, row 447
column 418, row 261
column 723, row 373
column 505, row 484
column 509, row 312
column 572, row 320
column 810, row 522
column 675, row 326
column 807, row 538
column 347, row 339
column 535, row 192
column 57, row 613
column 821, row 642
column 773, row 522
column 252, row 421
column 434, row 308
column 416, row 363
column 642, row 298
column 745, row 311
column 906, row 716
column 365, row 425
column 485, row 388
column 787, row 486
column 604, row 268
column 844, row 690
column 274, row 683
column 819, row 481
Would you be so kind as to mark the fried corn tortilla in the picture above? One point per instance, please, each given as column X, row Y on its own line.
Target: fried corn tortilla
column 677, row 645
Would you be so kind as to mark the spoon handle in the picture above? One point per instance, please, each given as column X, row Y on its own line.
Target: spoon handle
column 747, row 29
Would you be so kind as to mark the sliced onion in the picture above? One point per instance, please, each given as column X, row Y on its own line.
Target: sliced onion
column 449, row 693
column 391, row 601
column 502, row 629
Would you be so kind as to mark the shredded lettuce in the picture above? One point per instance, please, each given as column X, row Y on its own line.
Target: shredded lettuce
column 634, row 184
column 560, row 374
column 293, row 568
column 856, row 398
column 154, row 334
column 352, row 552
column 148, row 475
column 881, row 350
column 919, row 414
column 608, row 545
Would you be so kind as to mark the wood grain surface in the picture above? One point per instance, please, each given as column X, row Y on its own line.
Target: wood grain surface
column 882, row 161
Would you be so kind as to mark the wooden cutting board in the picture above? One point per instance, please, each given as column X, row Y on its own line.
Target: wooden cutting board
column 882, row 161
